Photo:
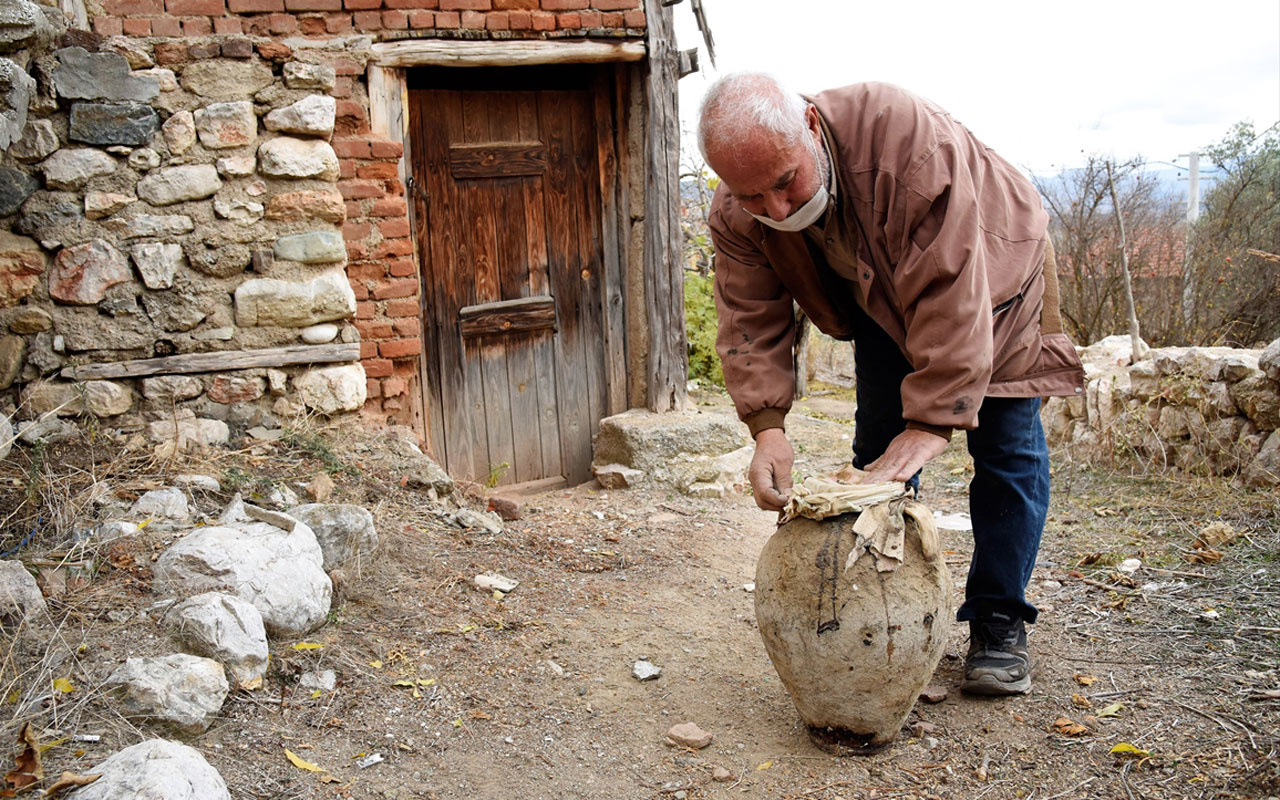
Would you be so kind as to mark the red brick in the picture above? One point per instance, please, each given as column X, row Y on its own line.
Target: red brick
column 133, row 8
column 410, row 326
column 107, row 26
column 520, row 20
column 612, row 19
column 394, row 228
column 465, row 5
column 227, row 25
column 401, row 348
column 356, row 251
column 634, row 19
column 362, row 5
column 366, row 309
column 341, row 86
column 419, row 20
column 591, row 19
column 373, row 329
column 350, row 108
column 361, row 292
column 337, row 23
column 254, row 6
column 196, row 8
column 345, row 66
column 355, row 231
column 513, row 5
column 313, row 24
column 394, row 187
column 391, row 207
column 497, row 21
column 615, row 5
column 392, row 406
column 382, row 148
column 378, row 169
column 401, row 268
column 392, row 387
column 170, row 53
column 368, row 271
column 411, row 5
column 346, row 168
column 395, row 20
column 569, row 21
column 393, row 289
column 283, row 23
column 197, row 26
column 402, row 308
column 564, row 5
column 313, row 5
column 368, row 20
column 376, row 367
column 134, row 26
column 355, row 209
column 373, row 388
column 543, row 21
column 393, row 247
column 357, row 189
column 369, row 350
column 167, row 26
column 351, row 148
column 275, row 51
column 447, row 19
column 473, row 20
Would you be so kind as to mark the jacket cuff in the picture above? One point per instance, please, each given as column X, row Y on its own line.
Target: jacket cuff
column 764, row 419
column 937, row 430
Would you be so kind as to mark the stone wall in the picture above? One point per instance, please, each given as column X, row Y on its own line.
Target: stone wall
column 1202, row 410
column 192, row 176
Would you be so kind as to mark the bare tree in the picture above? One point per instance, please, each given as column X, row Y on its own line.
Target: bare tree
column 1138, row 347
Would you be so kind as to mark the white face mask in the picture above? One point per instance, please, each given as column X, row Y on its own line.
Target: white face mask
column 802, row 217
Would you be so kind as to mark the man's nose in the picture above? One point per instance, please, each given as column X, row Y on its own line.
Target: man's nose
column 776, row 205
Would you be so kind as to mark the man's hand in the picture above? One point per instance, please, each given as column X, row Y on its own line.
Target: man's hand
column 770, row 471
column 906, row 454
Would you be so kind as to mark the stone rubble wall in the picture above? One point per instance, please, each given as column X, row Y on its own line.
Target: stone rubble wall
column 1201, row 410
column 191, row 176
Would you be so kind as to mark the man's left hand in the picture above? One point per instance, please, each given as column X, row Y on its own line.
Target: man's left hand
column 906, row 454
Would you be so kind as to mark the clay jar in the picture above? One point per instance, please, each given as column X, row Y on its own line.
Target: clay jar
column 854, row 646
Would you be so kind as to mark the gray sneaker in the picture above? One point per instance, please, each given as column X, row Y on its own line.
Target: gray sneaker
column 997, row 663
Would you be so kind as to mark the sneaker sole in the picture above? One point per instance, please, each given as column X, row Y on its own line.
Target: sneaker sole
column 991, row 686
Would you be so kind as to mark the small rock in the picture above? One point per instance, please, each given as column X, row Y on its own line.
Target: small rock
column 321, row 488
column 687, row 734
column 920, row 728
column 20, row 599
column 168, row 504
column 226, row 629
column 505, row 507
column 617, row 476
column 933, row 694
column 155, row 768
column 645, row 670
column 556, row 668
column 324, row 680
column 721, row 775
column 1129, row 565
column 494, row 582
column 320, row 334
column 748, row 587
column 467, row 519
column 265, row 434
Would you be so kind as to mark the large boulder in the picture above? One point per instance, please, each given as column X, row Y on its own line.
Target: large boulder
column 21, row 603
column 180, row 690
column 156, row 768
column 668, row 447
column 1269, row 361
column 226, row 629
column 345, row 532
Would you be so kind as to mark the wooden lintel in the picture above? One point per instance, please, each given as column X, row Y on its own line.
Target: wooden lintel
column 502, row 53
column 213, row 362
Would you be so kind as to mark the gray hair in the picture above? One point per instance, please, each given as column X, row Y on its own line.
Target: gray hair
column 742, row 101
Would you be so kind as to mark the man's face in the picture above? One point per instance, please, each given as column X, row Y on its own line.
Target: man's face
column 768, row 178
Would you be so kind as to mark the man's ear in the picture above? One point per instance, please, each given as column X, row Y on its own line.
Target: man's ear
column 811, row 118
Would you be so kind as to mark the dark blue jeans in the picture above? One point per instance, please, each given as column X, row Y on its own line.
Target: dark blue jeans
column 1009, row 494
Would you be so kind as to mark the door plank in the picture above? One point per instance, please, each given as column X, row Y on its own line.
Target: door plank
column 587, row 199
column 615, row 354
column 505, row 160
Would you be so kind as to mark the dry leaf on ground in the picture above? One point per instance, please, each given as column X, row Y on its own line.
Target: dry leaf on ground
column 1069, row 727
column 70, row 780
column 28, row 770
column 302, row 763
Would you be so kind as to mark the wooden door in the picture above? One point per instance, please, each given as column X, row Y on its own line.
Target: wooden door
column 508, row 201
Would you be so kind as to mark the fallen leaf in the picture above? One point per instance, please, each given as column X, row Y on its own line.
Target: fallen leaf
column 1085, row 680
column 307, row 646
column 27, row 770
column 479, row 715
column 315, row 693
column 1080, row 701
column 764, row 765
column 426, row 681
column 70, row 780
column 1126, row 750
column 54, row 743
column 302, row 763
column 1214, row 534
column 1209, row 556
column 63, row 685
column 252, row 685
column 1112, row 710
column 1069, row 727
column 457, row 723
column 376, row 664
column 330, row 779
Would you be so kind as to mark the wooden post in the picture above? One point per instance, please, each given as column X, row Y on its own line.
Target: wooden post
column 664, row 273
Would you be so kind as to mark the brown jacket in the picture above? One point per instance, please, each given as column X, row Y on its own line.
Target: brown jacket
column 950, row 248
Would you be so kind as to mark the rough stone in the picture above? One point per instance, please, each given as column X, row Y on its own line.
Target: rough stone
column 47, row 430
column 226, row 629
column 616, row 476
column 22, row 262
column 307, row 205
column 320, row 334
column 133, row 51
column 155, row 768
column 21, row 25
column 266, row 301
column 15, row 187
column 235, row 389
column 164, row 78
column 329, row 390
column 100, row 398
column 185, row 430
column 21, row 603
column 1258, row 398
column 1269, row 360
column 223, row 125
column 105, row 123
column 654, row 443
column 16, row 90
column 82, row 274
column 299, row 75
column 157, row 263
column 313, row 115
column 144, row 158
column 141, row 225
column 40, row 355
column 237, row 166
column 345, row 532
column 422, row 472
column 256, row 188
column 171, row 388
column 27, row 319
column 320, row 489
column 219, row 259
column 72, row 168
column 687, row 734
column 315, row 247
column 215, row 334
column 49, row 217
column 107, row 399
column 175, row 311
column 7, row 436
column 166, row 504
column 81, row 75
column 103, row 204
column 38, row 141
column 323, row 680
column 183, row 691
column 287, row 157
column 171, row 185
column 12, row 351
column 277, row 571
column 243, row 211
column 1264, row 469
column 226, row 80
column 179, row 132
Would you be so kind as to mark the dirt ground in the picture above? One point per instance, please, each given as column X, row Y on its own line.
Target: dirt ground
column 465, row 695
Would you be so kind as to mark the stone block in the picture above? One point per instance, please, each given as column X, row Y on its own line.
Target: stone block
column 179, row 132
column 267, row 301
column 12, row 351
column 313, row 115
column 38, row 140
column 315, row 247
column 237, row 166
column 1258, row 398
column 298, row 75
column 157, row 263
column 226, row 80
column 81, row 75
column 28, row 319
column 166, row 389
column 71, row 168
column 169, row 185
column 175, row 311
column 16, row 91
column 330, row 390
column 15, row 187
column 143, row 159
column 243, row 211
column 141, row 225
column 22, row 25
column 307, row 205
column 102, row 123
column 287, row 157
column 103, row 204
column 651, row 442
column 224, row 125
column 82, row 274
column 22, row 262
column 235, row 389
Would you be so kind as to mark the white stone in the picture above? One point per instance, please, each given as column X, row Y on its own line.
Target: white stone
column 237, row 166
column 329, row 390
column 245, row 211
column 223, row 125
column 313, row 115
column 225, row 334
column 171, row 388
column 653, row 443
column 286, row 157
column 197, row 481
column 345, row 533
column 72, row 168
column 279, row 572
column 165, row 504
column 320, row 334
column 178, row 184
column 141, row 225
column 7, row 436
column 179, row 132
column 103, row 204
column 164, row 78
column 157, row 263
column 324, row 680
column 144, row 158
column 21, row 603
column 156, row 768
column 181, row 690
column 185, row 430
column 1269, row 360
column 299, row 75
column 107, row 399
column 495, row 582
column 100, row 398
column 267, row 301
column 226, row 629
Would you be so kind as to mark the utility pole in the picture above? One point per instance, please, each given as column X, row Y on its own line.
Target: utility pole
column 1193, row 214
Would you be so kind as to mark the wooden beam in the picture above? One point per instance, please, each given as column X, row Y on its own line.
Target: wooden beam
column 502, row 53
column 497, row 160
column 508, row 316
column 214, row 362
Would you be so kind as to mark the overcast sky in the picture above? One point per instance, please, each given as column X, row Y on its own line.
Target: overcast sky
column 1042, row 83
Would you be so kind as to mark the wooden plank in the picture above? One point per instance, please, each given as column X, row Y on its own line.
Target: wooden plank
column 586, row 193
column 501, row 53
column 630, row 104
column 425, row 147
column 498, row 160
column 548, row 412
column 664, row 272
column 615, row 353
column 213, row 362
column 508, row 316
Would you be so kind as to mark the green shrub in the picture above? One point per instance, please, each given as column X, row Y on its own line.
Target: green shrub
column 700, row 327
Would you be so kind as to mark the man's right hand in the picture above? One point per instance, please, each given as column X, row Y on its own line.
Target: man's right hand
column 770, row 472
